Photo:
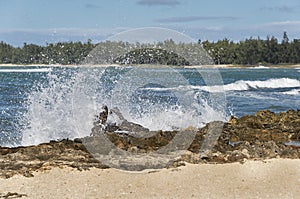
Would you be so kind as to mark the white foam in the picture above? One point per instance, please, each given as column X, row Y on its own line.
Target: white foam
column 29, row 70
column 292, row 92
column 260, row 67
column 240, row 85
column 246, row 85
column 179, row 118
column 298, row 69
column 66, row 109
column 62, row 109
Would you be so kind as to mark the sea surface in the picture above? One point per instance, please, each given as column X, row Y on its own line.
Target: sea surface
column 38, row 104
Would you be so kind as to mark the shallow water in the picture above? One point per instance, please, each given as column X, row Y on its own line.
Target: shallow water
column 293, row 143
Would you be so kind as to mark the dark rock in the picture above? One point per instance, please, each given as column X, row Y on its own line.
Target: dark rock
column 101, row 125
column 261, row 136
column 26, row 160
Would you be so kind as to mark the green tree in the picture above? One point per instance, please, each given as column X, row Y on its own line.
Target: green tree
column 6, row 51
column 285, row 50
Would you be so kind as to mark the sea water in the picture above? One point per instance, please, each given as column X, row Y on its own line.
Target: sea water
column 39, row 104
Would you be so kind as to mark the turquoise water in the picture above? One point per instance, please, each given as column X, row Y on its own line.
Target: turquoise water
column 38, row 104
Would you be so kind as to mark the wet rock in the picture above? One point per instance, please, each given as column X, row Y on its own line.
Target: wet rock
column 261, row 136
column 101, row 125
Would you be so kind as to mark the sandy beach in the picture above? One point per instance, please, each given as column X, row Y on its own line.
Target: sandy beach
column 276, row 178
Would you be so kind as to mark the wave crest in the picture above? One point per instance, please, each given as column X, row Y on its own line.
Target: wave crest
column 240, row 85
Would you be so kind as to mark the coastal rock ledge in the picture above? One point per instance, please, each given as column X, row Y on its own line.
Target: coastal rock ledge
column 263, row 135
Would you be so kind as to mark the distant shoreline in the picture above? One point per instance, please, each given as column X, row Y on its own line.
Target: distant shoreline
column 155, row 66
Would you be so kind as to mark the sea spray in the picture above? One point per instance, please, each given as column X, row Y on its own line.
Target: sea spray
column 178, row 117
column 60, row 108
column 65, row 105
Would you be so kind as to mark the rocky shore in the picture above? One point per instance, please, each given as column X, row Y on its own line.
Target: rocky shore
column 264, row 135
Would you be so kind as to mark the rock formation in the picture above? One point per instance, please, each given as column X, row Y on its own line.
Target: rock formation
column 101, row 125
column 261, row 136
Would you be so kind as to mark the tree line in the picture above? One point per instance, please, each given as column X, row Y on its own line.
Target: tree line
column 59, row 53
column 251, row 51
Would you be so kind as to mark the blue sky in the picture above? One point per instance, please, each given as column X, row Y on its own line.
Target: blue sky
column 41, row 21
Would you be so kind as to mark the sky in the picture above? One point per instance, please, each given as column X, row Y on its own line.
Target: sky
column 48, row 21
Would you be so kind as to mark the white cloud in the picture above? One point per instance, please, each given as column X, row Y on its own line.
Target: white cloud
column 194, row 18
column 283, row 8
column 69, row 31
column 17, row 37
column 238, row 33
column 278, row 27
column 91, row 6
column 284, row 23
column 158, row 2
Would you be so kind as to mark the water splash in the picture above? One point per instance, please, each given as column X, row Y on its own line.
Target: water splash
column 65, row 105
column 59, row 108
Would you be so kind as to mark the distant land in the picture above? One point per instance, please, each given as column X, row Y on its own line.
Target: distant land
column 248, row 52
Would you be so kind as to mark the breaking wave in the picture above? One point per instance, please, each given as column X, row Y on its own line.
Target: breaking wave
column 261, row 67
column 66, row 105
column 32, row 70
column 292, row 92
column 243, row 85
column 240, row 85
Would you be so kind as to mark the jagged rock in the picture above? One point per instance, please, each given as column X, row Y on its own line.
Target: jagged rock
column 261, row 136
column 101, row 125
column 26, row 160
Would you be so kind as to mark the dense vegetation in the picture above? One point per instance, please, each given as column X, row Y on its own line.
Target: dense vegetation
column 251, row 51
column 152, row 56
column 59, row 53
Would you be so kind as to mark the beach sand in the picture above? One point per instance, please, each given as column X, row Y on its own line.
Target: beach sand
column 276, row 178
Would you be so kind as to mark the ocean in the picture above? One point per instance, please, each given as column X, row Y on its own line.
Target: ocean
column 39, row 104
